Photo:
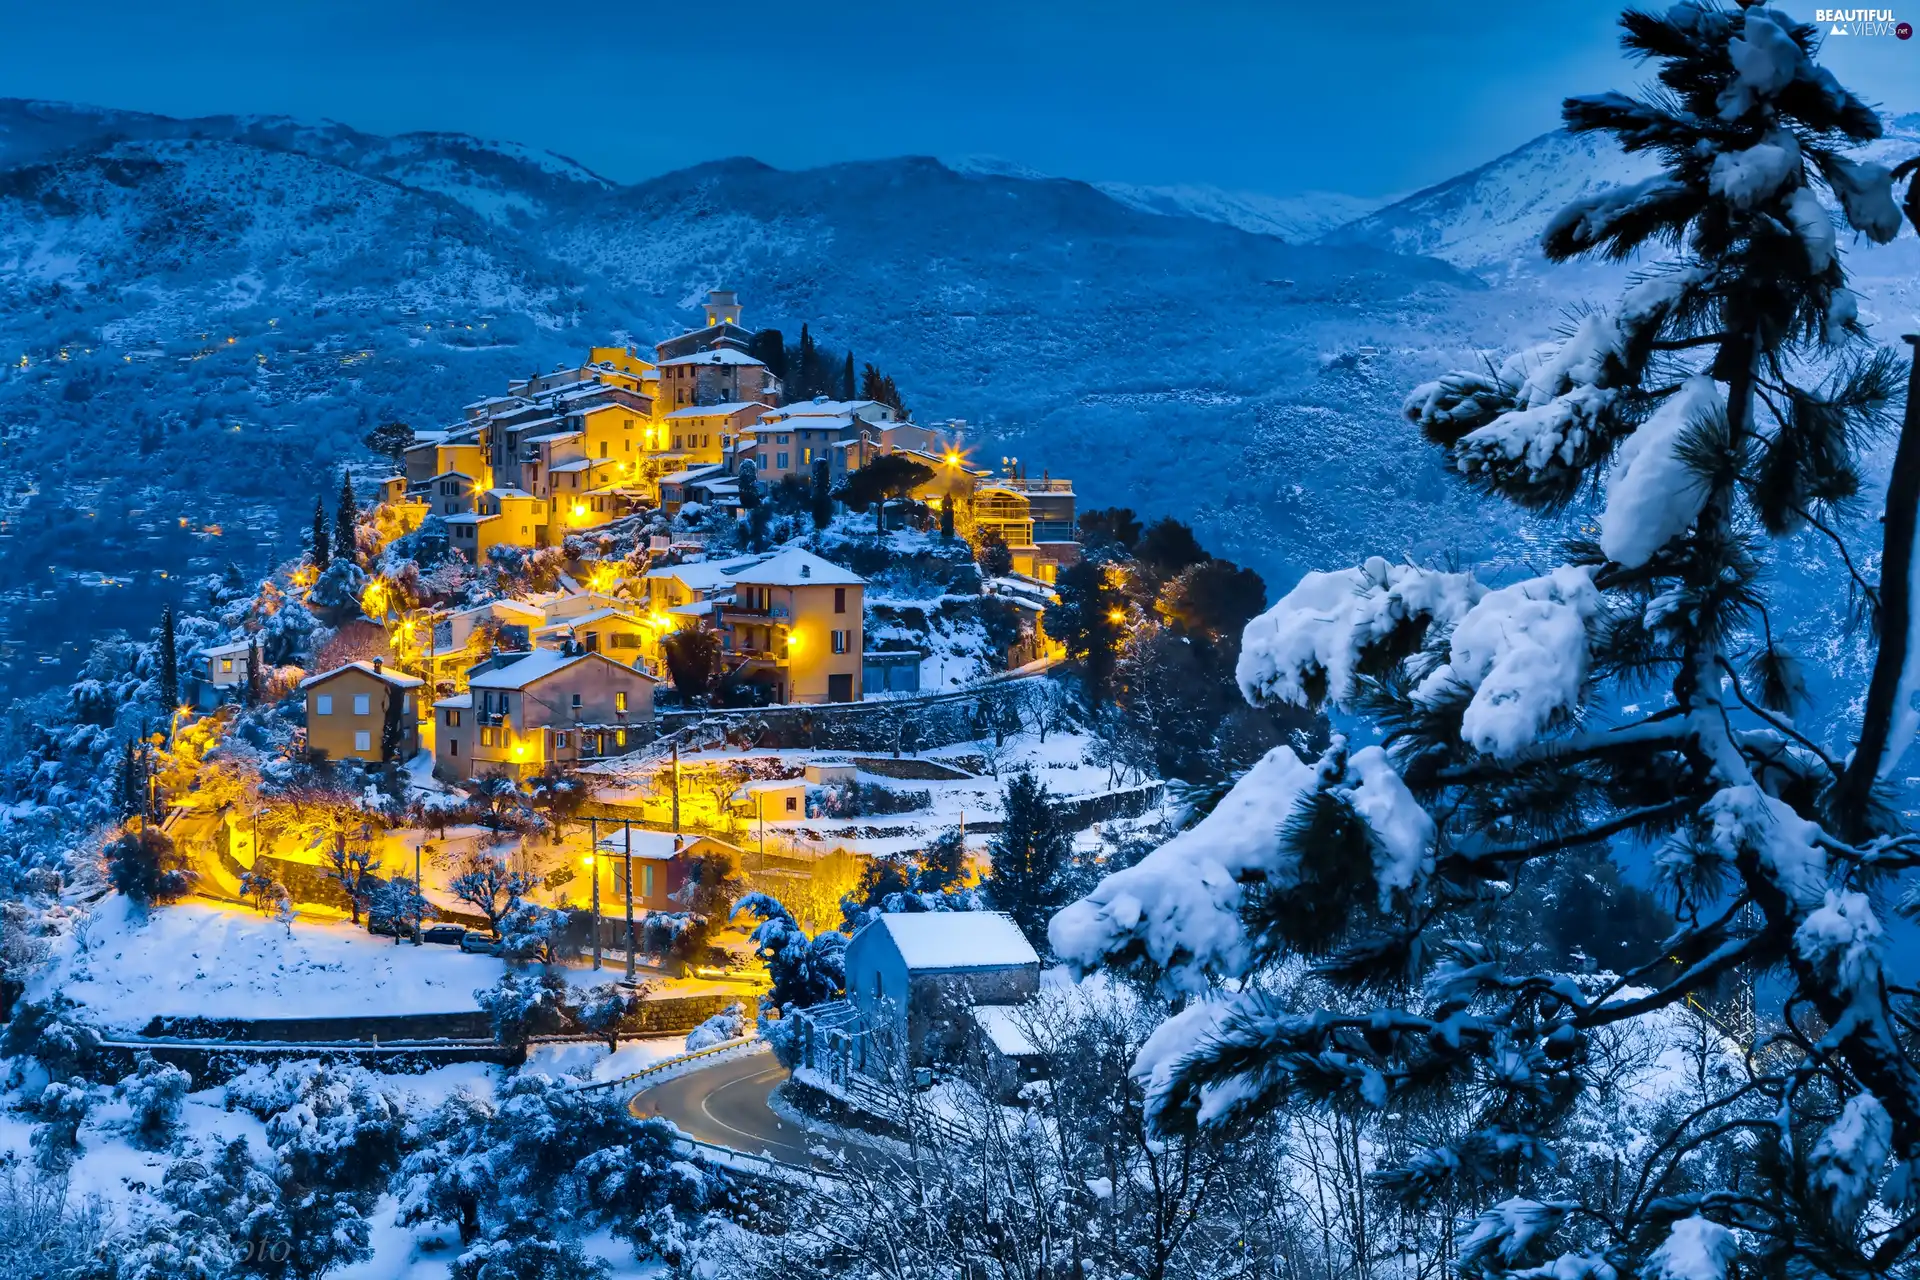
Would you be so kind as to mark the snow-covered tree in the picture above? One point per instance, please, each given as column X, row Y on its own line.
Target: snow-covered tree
column 1032, row 857
column 155, row 1094
column 1721, row 407
column 146, row 867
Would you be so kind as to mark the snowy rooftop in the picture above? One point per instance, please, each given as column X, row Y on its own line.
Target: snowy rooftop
column 597, row 615
column 656, row 846
column 458, row 702
column 701, row 575
column 468, row 517
column 810, row 422
column 581, row 464
column 796, row 567
column 723, row 355
column 508, row 493
column 822, row 408
column 957, row 939
column 716, row 410
column 537, row 665
column 227, row 650
column 397, row 679
column 1001, row 1025
column 550, row 437
column 691, row 473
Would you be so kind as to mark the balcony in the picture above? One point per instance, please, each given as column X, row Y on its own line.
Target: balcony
column 767, row 613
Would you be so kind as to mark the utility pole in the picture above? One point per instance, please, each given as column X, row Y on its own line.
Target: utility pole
column 419, row 893
column 593, row 869
column 676, row 793
column 630, row 947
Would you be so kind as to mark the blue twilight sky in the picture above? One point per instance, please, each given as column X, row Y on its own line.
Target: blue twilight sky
column 1280, row 97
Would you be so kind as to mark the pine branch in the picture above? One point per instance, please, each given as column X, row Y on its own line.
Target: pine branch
column 1733, row 676
column 1860, row 580
column 1493, row 861
column 1896, row 567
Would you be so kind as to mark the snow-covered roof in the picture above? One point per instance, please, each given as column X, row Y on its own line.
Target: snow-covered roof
column 809, row 422
column 1000, row 1023
column 597, row 615
column 458, row 702
column 956, row 939
column 701, row 575
column 227, row 650
column 695, row 609
column 394, row 678
column 715, row 410
column 550, row 437
column 467, row 517
column 537, row 666
column 493, row 606
column 767, row 785
column 720, row 355
column 582, row 464
column 822, row 408
column 690, row 474
column 654, row 846
column 509, row 492
column 797, row 567
column 450, row 475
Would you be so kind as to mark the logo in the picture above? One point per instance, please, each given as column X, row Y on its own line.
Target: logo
column 1862, row 22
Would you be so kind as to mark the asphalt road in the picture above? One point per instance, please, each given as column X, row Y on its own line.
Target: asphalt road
column 726, row 1103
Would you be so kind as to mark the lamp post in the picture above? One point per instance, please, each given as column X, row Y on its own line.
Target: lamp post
column 629, row 853
column 593, row 870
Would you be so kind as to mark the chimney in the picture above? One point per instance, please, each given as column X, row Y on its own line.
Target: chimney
column 806, row 571
column 376, row 666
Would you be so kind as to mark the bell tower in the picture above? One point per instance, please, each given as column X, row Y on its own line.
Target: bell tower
column 722, row 307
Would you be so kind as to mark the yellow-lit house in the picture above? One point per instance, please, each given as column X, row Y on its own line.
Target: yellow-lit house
column 794, row 624
column 347, row 711
column 620, row 635
column 524, row 712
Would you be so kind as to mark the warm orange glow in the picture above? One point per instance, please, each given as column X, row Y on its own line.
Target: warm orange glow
column 1116, row 615
column 579, row 511
column 587, row 862
column 373, row 600
column 953, row 459
column 603, row 578
column 793, row 642
column 519, row 751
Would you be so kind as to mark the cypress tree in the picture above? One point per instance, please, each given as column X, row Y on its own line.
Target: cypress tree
column 872, row 385
column 846, row 379
column 946, row 518
column 251, row 690
column 321, row 556
column 346, row 543
column 822, row 494
column 806, row 369
column 750, row 494
column 169, row 661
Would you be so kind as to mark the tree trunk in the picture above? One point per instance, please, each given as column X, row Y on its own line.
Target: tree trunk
column 1895, row 621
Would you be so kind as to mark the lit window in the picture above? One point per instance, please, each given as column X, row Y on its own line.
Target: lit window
column 619, row 737
column 323, row 705
column 453, row 719
column 560, row 742
column 486, row 737
column 362, row 741
column 620, row 701
column 646, row 882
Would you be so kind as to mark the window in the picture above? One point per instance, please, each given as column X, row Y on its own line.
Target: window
column 323, row 705
column 362, row 704
column 560, row 741
column 792, row 803
column 576, row 697
column 406, row 702
column 620, row 737
column 453, row 719
column 840, row 641
column 625, row 640
column 646, row 882
column 620, row 702
column 362, row 740
column 453, row 746
column 486, row 737
column 603, row 448
column 780, row 461
column 226, row 666
column 839, row 599
column 676, row 442
column 806, row 456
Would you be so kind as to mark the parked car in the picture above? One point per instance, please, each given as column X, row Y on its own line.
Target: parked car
column 451, row 935
column 479, row 943
column 388, row 926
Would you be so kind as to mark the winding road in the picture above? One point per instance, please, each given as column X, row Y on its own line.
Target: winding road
column 726, row 1104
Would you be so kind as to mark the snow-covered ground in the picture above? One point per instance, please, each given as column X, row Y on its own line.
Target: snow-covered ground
column 195, row 958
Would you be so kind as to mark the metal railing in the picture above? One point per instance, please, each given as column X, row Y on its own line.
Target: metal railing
column 668, row 1064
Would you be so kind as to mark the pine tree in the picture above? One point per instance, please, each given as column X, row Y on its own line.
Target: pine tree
column 822, row 494
column 1515, row 732
column 846, row 379
column 169, row 661
column 750, row 495
column 321, row 558
column 250, row 691
column 946, row 518
column 1089, row 621
column 872, row 385
column 392, row 727
column 346, row 516
column 769, row 347
column 807, row 381
column 1032, row 854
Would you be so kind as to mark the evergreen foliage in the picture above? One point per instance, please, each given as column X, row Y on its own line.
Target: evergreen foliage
column 995, row 556
column 1084, row 622
column 1032, row 856
column 169, row 661
column 390, row 440
column 822, row 497
column 346, row 519
column 1719, row 408
column 693, row 659
column 321, row 550
column 146, row 866
column 890, row 475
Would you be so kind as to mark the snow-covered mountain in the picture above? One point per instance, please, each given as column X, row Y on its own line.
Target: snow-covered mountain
column 1297, row 218
column 199, row 319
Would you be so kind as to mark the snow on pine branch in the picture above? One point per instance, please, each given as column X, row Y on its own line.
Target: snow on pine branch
column 1523, row 652
column 1180, row 905
column 1311, row 644
column 1652, row 494
column 1695, row 1249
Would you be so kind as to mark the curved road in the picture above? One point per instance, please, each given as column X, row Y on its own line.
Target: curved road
column 726, row 1104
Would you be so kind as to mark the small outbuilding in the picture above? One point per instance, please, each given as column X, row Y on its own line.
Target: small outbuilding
column 916, row 977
